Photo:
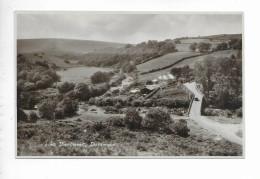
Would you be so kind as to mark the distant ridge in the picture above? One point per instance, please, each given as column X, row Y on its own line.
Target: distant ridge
column 62, row 46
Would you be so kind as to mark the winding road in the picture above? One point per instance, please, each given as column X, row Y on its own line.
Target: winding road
column 227, row 131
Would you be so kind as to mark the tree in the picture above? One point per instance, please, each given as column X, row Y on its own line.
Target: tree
column 132, row 119
column 235, row 44
column 193, row 46
column 157, row 119
column 82, row 92
column 204, row 47
column 69, row 106
column 100, row 77
column 46, row 109
column 66, row 87
column 204, row 72
column 222, row 46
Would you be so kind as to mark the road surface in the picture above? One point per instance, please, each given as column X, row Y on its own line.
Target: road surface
column 227, row 131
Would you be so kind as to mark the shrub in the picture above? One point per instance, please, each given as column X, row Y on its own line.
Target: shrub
column 91, row 101
column 67, row 61
column 69, row 106
column 105, row 133
column 118, row 105
column 116, row 121
column 66, row 87
column 228, row 113
column 33, row 117
column 115, row 91
column 59, row 113
column 181, row 128
column 98, row 126
column 132, row 119
column 100, row 77
column 82, row 91
column 136, row 103
column 156, row 119
column 108, row 101
column 112, row 110
column 46, row 110
column 148, row 103
column 21, row 116
column 239, row 112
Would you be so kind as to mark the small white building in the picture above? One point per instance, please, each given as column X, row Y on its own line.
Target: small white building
column 197, row 50
column 134, row 91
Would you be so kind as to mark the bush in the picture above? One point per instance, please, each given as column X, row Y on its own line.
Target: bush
column 100, row 77
column 132, row 119
column 82, row 91
column 112, row 110
column 33, row 117
column 59, row 113
column 136, row 103
column 118, row 105
column 157, row 119
column 181, row 128
column 108, row 101
column 239, row 112
column 105, row 133
column 116, row 121
column 148, row 103
column 66, row 87
column 46, row 110
column 228, row 113
column 98, row 126
column 69, row 106
column 91, row 101
column 21, row 116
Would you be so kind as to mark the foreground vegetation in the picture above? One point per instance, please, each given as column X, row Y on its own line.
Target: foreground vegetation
column 154, row 135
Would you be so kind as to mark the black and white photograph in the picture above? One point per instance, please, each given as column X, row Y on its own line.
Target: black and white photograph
column 129, row 84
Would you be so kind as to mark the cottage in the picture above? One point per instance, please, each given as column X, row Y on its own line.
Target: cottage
column 155, row 81
column 134, row 91
column 148, row 89
column 197, row 50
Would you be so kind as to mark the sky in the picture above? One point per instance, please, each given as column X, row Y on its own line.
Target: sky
column 124, row 28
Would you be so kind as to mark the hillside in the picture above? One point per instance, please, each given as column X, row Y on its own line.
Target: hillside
column 62, row 46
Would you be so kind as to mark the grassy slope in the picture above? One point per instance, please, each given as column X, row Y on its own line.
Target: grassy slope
column 163, row 61
column 62, row 46
column 192, row 61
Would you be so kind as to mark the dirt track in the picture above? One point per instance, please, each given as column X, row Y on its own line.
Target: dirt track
column 227, row 131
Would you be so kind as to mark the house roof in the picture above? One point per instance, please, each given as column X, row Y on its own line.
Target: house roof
column 151, row 87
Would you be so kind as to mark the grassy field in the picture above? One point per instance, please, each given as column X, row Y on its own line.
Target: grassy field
column 192, row 61
column 163, row 61
column 79, row 74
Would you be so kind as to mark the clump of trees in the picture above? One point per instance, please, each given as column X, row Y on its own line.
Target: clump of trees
column 182, row 72
column 66, row 87
column 222, row 46
column 157, row 119
column 221, row 80
column 204, row 47
column 193, row 46
column 132, row 119
column 101, row 77
column 33, row 76
column 235, row 44
column 136, row 54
